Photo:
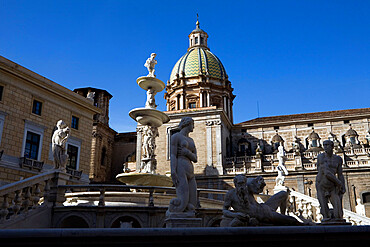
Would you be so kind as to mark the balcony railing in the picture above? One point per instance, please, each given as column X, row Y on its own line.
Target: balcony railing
column 30, row 163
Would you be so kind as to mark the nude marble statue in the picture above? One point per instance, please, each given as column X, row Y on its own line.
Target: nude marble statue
column 281, row 169
column 330, row 183
column 150, row 63
column 183, row 153
column 247, row 211
column 59, row 139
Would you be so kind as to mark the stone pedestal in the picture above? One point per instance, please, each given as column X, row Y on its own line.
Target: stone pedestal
column 182, row 220
column 259, row 164
column 298, row 162
column 335, row 222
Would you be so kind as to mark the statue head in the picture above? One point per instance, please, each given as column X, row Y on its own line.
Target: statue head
column 240, row 182
column 153, row 55
column 256, row 185
column 61, row 124
column 328, row 146
column 186, row 121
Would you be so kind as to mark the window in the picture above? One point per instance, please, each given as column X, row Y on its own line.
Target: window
column 346, row 121
column 196, row 40
column 201, row 40
column 1, row 92
column 74, row 123
column 366, row 197
column 314, row 143
column 32, row 145
column 276, row 127
column 192, row 105
column 72, row 152
column 36, row 107
column 103, row 155
column 310, row 125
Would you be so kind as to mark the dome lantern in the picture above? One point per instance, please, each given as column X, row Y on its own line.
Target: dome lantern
column 198, row 37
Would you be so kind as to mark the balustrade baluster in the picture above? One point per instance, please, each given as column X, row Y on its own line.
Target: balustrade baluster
column 4, row 209
column 102, row 198
column 46, row 190
column 27, row 197
column 17, row 202
column 36, row 195
column 151, row 199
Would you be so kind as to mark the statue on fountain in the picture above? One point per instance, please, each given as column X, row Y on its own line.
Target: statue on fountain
column 183, row 153
column 330, row 184
column 248, row 212
column 148, row 164
column 150, row 63
column 58, row 140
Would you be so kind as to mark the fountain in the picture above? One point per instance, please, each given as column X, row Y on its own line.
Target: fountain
column 150, row 118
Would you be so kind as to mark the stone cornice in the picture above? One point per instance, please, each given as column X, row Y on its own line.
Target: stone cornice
column 43, row 83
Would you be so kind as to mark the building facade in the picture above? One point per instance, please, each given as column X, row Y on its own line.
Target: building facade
column 30, row 106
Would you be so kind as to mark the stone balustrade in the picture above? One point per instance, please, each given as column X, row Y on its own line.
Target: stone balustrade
column 309, row 208
column 354, row 158
column 103, row 194
column 29, row 194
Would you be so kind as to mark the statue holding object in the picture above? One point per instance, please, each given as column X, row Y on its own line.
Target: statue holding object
column 59, row 139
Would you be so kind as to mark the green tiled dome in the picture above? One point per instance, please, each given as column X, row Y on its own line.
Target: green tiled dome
column 199, row 61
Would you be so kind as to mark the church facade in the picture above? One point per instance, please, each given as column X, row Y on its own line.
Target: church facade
column 199, row 88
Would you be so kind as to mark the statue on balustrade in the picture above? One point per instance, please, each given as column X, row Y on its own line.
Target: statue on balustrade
column 330, row 183
column 281, row 169
column 247, row 211
column 183, row 153
column 59, row 139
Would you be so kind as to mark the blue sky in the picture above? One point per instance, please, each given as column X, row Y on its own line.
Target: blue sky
column 289, row 56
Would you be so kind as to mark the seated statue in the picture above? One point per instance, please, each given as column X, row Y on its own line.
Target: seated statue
column 247, row 211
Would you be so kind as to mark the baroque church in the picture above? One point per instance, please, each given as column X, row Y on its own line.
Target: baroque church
column 199, row 87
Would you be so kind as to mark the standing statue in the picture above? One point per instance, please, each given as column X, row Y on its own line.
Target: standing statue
column 330, row 183
column 281, row 169
column 247, row 211
column 150, row 100
column 183, row 153
column 148, row 161
column 150, row 63
column 90, row 95
column 59, row 139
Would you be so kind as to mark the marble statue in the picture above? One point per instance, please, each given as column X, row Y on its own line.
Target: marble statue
column 59, row 139
column 148, row 147
column 330, row 183
column 281, row 169
column 90, row 95
column 183, row 153
column 360, row 208
column 247, row 211
column 150, row 63
column 150, row 99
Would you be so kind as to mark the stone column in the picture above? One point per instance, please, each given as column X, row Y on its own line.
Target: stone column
column 209, row 142
column 219, row 165
column 208, row 99
column 229, row 107
column 201, row 99
column 139, row 131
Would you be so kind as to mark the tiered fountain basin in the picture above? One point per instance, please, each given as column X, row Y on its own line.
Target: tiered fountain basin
column 147, row 115
column 144, row 179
